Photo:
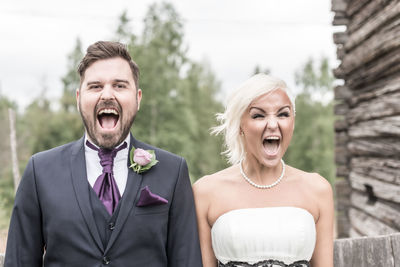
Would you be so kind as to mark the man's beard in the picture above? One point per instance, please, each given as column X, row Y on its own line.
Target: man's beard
column 106, row 140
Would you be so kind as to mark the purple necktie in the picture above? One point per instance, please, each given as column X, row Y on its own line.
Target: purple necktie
column 105, row 185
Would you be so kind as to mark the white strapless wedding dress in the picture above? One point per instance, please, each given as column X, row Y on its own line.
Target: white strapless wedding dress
column 272, row 236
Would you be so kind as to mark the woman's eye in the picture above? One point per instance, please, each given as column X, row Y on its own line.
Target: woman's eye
column 255, row 116
column 284, row 114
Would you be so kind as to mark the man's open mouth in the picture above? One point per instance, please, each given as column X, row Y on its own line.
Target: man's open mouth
column 108, row 118
column 271, row 144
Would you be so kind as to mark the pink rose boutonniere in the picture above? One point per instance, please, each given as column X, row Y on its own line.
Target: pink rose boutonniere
column 142, row 160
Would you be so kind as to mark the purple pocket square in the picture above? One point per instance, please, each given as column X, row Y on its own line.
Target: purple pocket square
column 147, row 198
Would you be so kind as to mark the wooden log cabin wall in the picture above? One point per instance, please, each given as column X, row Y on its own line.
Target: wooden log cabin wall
column 368, row 117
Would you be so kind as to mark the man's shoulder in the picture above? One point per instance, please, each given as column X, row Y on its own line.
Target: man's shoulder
column 56, row 151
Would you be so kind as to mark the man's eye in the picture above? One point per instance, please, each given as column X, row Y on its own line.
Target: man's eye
column 120, row 85
column 94, row 86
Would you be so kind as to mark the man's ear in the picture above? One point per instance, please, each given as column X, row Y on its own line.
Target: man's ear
column 139, row 98
column 77, row 99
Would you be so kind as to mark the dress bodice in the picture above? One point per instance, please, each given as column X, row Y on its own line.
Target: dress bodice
column 253, row 235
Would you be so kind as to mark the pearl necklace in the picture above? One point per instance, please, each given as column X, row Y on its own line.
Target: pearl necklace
column 262, row 186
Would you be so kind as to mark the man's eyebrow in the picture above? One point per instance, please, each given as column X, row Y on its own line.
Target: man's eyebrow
column 93, row 82
column 121, row 81
column 115, row 80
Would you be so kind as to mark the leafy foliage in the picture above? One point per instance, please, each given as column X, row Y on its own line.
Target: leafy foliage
column 179, row 95
column 6, row 178
column 312, row 146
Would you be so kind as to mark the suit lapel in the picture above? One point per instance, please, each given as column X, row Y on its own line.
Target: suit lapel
column 81, row 188
column 128, row 200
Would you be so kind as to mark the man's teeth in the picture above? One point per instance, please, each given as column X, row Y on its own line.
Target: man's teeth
column 108, row 111
column 272, row 138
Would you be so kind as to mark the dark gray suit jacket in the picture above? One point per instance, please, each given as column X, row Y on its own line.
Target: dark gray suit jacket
column 52, row 213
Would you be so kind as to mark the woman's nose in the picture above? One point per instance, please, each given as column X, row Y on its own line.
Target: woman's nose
column 272, row 123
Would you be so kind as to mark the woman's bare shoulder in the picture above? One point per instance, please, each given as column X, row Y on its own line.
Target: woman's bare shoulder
column 314, row 181
column 209, row 183
column 208, row 188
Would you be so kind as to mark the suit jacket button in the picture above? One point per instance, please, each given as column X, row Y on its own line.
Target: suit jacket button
column 111, row 226
column 106, row 260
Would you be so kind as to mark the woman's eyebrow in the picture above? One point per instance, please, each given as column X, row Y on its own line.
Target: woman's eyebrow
column 284, row 108
column 260, row 109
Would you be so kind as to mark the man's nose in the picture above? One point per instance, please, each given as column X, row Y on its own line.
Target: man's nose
column 107, row 92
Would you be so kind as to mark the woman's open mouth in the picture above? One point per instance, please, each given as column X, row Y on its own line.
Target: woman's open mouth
column 271, row 145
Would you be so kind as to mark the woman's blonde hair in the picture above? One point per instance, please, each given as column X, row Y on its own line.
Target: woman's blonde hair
column 238, row 102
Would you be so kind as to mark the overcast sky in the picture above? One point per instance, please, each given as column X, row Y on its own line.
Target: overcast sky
column 233, row 35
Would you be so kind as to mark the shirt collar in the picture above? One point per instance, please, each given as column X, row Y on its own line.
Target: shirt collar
column 88, row 150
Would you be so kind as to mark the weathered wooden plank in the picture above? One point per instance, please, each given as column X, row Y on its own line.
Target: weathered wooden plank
column 340, row 53
column 340, row 37
column 387, row 147
column 341, row 109
column 378, row 210
column 342, row 92
column 343, row 191
column 341, row 138
column 343, row 187
column 375, row 251
column 340, row 125
column 395, row 239
column 341, row 155
column 355, row 6
column 376, row 45
column 339, row 5
column 353, row 233
column 386, row 105
column 339, row 72
column 340, row 19
column 379, row 69
column 370, row 17
column 342, row 226
column 377, row 89
column 384, row 127
column 386, row 169
column 368, row 225
column 342, row 171
column 381, row 189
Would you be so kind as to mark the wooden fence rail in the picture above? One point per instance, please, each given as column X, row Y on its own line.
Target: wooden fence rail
column 379, row 251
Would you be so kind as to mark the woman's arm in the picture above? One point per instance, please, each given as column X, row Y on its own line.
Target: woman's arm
column 323, row 252
column 202, row 200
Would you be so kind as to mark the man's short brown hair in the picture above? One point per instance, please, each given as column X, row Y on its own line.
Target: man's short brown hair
column 105, row 50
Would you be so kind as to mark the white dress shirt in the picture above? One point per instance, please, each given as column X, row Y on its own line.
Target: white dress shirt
column 120, row 169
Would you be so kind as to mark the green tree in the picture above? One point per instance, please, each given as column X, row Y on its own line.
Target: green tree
column 71, row 79
column 312, row 146
column 202, row 88
column 55, row 125
column 6, row 178
column 178, row 106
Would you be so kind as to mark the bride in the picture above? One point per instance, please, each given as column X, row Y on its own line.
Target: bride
column 261, row 212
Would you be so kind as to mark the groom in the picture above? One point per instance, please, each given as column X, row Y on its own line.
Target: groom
column 87, row 203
